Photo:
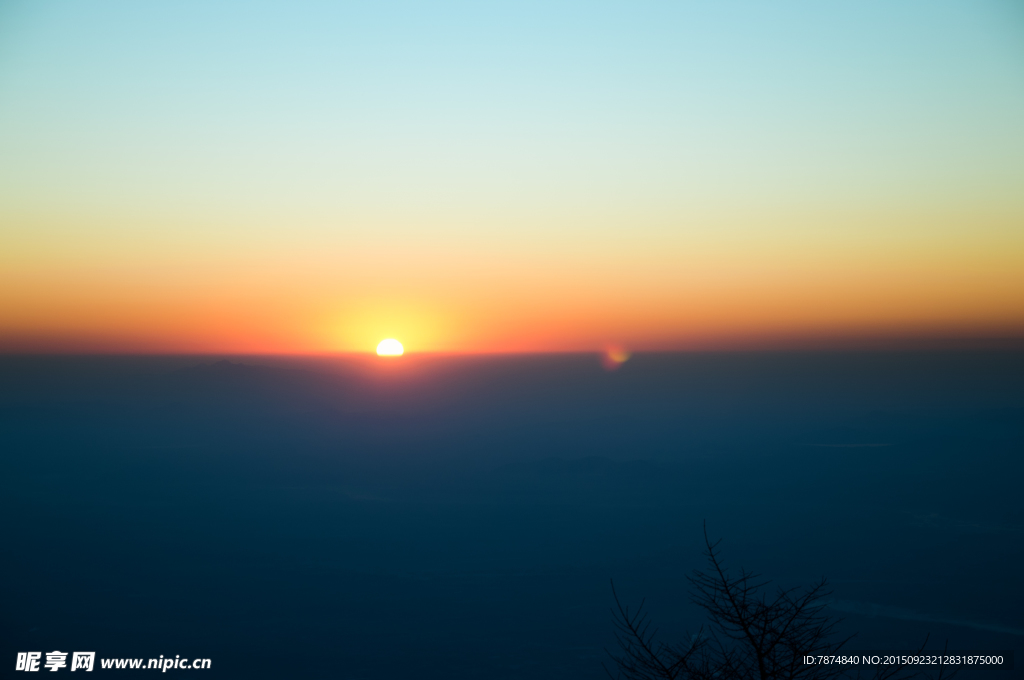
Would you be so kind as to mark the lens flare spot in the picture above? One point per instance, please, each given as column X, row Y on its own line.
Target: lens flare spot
column 614, row 357
column 390, row 348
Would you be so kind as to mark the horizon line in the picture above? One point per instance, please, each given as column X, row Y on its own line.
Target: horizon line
column 994, row 345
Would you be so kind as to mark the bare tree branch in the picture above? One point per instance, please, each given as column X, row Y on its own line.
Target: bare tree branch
column 751, row 635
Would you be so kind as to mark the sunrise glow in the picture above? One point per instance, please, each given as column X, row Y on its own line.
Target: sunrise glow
column 390, row 348
column 515, row 182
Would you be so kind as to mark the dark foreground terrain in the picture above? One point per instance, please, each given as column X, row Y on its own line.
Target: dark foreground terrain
column 453, row 518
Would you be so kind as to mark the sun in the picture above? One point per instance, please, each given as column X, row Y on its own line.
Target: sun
column 390, row 348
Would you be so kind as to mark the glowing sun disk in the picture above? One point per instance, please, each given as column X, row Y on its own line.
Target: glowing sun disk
column 390, row 348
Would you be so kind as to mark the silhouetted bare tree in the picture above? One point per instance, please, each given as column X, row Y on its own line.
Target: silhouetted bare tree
column 751, row 636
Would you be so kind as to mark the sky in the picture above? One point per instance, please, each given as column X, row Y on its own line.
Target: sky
column 309, row 177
